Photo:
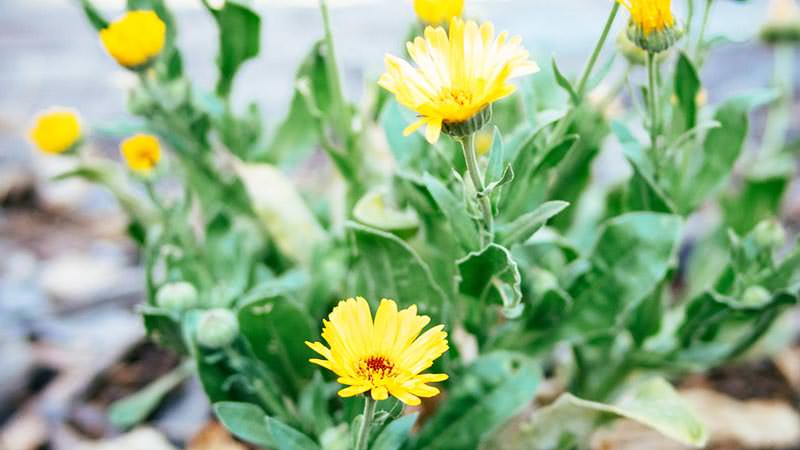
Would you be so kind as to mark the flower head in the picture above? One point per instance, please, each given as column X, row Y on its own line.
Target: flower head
column 56, row 130
column 386, row 356
column 142, row 152
column 783, row 23
column 135, row 39
column 652, row 25
column 435, row 12
column 457, row 76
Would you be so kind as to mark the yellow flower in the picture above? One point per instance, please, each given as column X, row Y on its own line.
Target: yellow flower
column 135, row 39
column 650, row 15
column 142, row 152
column 434, row 12
column 56, row 130
column 386, row 356
column 457, row 76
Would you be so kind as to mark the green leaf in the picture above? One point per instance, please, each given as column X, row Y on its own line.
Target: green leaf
column 487, row 394
column 565, row 84
column 375, row 209
column 408, row 151
column 94, row 16
column 293, row 137
column 239, row 40
column 395, row 434
column 164, row 329
column 455, row 211
column 388, row 268
column 494, row 171
column 281, row 210
column 245, row 421
column 276, row 330
column 134, row 409
column 721, row 148
column 287, row 438
column 644, row 194
column 521, row 229
column 506, row 177
column 631, row 256
column 492, row 276
column 653, row 403
column 687, row 86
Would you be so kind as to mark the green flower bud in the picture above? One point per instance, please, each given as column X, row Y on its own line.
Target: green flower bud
column 178, row 296
column 783, row 23
column 459, row 130
column 633, row 53
column 769, row 234
column 655, row 41
column 543, row 281
column 217, row 328
column 756, row 296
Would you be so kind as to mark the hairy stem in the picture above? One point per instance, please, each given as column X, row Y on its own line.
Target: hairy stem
column 652, row 94
column 471, row 158
column 366, row 422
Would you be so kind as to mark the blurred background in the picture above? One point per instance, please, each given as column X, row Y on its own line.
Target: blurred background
column 70, row 339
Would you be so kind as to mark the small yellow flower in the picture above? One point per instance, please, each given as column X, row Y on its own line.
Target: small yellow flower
column 650, row 15
column 435, row 12
column 142, row 152
column 56, row 130
column 457, row 76
column 135, row 39
column 386, row 356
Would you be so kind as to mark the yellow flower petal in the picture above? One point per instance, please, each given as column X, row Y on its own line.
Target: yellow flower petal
column 650, row 15
column 135, row 39
column 56, row 130
column 142, row 152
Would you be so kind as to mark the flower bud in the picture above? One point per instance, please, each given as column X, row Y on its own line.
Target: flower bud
column 178, row 296
column 136, row 39
column 56, row 130
column 783, row 23
column 652, row 26
column 543, row 281
column 633, row 53
column 470, row 126
column 769, row 234
column 756, row 296
column 217, row 328
column 655, row 41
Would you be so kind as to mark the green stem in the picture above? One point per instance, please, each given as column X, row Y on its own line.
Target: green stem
column 701, row 37
column 780, row 113
column 366, row 422
column 471, row 158
column 587, row 71
column 565, row 121
column 689, row 20
column 652, row 93
column 340, row 115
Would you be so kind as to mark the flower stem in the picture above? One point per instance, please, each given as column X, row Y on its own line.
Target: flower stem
column 780, row 112
column 563, row 124
column 587, row 71
column 652, row 93
column 471, row 158
column 366, row 422
column 698, row 57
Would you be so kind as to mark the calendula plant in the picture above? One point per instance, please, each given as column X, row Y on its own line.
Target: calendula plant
column 497, row 233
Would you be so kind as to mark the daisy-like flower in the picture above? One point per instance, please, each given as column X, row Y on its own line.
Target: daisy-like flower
column 385, row 357
column 652, row 25
column 434, row 12
column 56, row 130
column 457, row 76
column 142, row 152
column 135, row 39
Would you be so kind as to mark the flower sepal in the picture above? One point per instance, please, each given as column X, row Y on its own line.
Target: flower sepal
column 459, row 130
column 655, row 41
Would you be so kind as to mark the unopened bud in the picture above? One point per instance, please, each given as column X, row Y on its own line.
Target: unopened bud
column 769, row 234
column 178, row 296
column 217, row 328
column 756, row 296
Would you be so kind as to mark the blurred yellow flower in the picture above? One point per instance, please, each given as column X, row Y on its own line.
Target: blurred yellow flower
column 457, row 76
column 142, row 152
column 386, row 356
column 135, row 39
column 56, row 130
column 435, row 12
column 650, row 15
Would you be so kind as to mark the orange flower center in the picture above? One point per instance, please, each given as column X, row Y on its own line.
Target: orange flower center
column 375, row 367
